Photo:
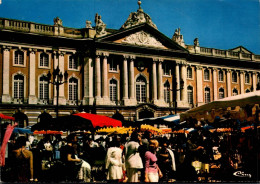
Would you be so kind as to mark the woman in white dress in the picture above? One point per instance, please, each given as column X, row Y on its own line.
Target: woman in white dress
column 114, row 162
column 133, row 161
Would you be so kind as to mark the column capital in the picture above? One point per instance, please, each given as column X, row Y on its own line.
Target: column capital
column 242, row 72
column 215, row 69
column 105, row 54
column 228, row 70
column 32, row 50
column 155, row 59
column 254, row 72
column 132, row 57
column 183, row 62
column 126, row 56
column 98, row 53
column 6, row 48
column 198, row 67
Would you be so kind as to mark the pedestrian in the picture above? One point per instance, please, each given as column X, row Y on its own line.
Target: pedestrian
column 113, row 162
column 152, row 170
column 22, row 161
column 133, row 161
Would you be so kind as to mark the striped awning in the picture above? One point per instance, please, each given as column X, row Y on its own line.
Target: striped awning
column 169, row 120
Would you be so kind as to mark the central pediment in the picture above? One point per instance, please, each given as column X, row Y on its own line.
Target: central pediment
column 141, row 38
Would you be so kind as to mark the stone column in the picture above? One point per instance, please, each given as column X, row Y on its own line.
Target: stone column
column 131, row 78
column 242, row 82
column 154, row 75
column 199, row 79
column 6, row 98
column 215, row 83
column 97, row 78
column 177, row 73
column 125, row 80
column 32, row 87
column 88, row 81
column 184, row 78
column 160, row 84
column 104, row 79
column 229, row 83
column 254, row 81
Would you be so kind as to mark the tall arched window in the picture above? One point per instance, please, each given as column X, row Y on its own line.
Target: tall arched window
column 166, row 92
column 44, row 60
column 113, row 90
column 189, row 73
column 19, row 57
column 73, row 89
column 220, row 76
column 247, row 78
column 18, row 86
column 235, row 92
column 190, row 94
column 207, row 95
column 43, row 88
column 221, row 93
column 141, row 89
column 234, row 76
column 206, row 75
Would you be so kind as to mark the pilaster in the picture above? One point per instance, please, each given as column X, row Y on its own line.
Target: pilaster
column 229, row 83
column 215, row 84
column 132, row 100
column 88, row 81
column 254, row 81
column 32, row 97
column 242, row 82
column 6, row 98
column 200, row 93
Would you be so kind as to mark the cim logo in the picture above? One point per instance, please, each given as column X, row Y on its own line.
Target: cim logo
column 241, row 174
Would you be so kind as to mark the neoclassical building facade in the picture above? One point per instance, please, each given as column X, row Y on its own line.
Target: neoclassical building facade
column 136, row 70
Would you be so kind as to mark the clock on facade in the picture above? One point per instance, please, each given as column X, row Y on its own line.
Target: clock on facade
column 140, row 66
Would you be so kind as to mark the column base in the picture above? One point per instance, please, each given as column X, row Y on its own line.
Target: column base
column 62, row 101
column 32, row 99
column 160, row 103
column 6, row 99
column 183, row 104
column 88, row 101
column 102, row 101
column 130, row 102
column 200, row 104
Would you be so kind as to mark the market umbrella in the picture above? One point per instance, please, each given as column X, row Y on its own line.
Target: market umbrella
column 84, row 121
column 2, row 116
column 22, row 131
column 242, row 101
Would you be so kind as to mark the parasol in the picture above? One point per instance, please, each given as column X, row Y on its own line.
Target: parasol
column 84, row 121
column 2, row 116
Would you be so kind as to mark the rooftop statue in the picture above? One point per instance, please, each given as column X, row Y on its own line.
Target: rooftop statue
column 138, row 17
column 178, row 37
column 57, row 21
column 196, row 42
column 100, row 26
column 88, row 24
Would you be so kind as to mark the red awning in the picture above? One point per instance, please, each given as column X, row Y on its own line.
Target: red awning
column 6, row 117
column 99, row 120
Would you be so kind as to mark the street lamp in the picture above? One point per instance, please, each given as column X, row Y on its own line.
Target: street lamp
column 57, row 81
column 175, row 92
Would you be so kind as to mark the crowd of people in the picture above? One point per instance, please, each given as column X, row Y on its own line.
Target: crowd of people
column 139, row 157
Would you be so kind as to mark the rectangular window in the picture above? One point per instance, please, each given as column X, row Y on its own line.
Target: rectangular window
column 206, row 75
column 112, row 65
column 73, row 64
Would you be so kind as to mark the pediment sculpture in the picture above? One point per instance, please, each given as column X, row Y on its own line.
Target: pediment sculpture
column 142, row 38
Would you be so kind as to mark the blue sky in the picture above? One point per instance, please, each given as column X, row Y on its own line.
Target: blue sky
column 221, row 24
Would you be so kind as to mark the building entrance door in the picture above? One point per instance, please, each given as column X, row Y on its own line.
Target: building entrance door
column 145, row 114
